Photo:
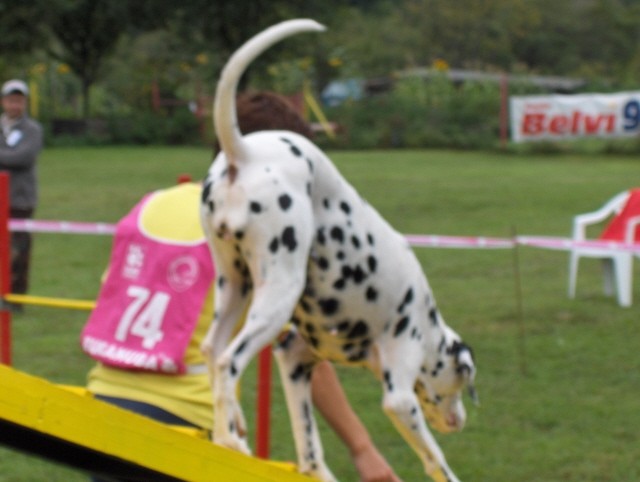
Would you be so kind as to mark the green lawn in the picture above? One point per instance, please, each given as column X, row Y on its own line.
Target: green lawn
column 559, row 385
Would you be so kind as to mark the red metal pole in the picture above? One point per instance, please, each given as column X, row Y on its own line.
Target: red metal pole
column 5, row 270
column 263, row 409
column 504, row 109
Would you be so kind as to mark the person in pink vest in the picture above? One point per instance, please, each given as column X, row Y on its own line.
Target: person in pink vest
column 154, row 308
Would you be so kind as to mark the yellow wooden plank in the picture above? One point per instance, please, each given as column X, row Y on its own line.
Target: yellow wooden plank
column 74, row 416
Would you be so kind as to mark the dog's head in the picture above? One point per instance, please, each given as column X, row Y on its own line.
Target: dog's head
column 441, row 387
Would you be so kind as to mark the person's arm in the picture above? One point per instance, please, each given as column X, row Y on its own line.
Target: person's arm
column 331, row 401
column 25, row 153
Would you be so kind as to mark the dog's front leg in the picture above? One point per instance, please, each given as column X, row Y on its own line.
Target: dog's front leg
column 296, row 363
column 402, row 406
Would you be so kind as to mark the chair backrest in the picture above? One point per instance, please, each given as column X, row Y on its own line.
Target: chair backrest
column 617, row 228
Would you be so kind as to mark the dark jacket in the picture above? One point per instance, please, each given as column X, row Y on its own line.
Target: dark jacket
column 18, row 156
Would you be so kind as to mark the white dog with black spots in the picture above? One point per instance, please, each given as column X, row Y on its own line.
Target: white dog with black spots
column 293, row 242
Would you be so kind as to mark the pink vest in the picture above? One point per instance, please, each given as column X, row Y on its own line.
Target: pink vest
column 149, row 305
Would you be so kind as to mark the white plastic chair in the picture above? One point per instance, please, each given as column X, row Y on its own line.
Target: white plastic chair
column 617, row 265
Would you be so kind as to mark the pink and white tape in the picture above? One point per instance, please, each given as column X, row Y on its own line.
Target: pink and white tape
column 67, row 227
column 417, row 240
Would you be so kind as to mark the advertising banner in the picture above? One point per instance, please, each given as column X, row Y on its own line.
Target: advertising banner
column 561, row 117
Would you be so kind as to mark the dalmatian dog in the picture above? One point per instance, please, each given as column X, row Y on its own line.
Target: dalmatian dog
column 295, row 245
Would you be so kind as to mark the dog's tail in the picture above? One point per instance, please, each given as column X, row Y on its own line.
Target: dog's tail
column 224, row 107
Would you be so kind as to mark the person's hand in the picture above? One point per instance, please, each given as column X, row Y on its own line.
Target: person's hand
column 372, row 466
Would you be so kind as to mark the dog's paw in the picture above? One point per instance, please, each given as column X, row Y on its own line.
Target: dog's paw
column 234, row 443
column 320, row 472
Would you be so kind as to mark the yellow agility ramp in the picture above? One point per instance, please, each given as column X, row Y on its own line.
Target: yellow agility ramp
column 71, row 427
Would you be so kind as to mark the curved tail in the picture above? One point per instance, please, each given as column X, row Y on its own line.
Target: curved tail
column 224, row 106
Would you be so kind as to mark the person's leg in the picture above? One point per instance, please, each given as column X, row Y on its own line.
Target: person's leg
column 21, row 243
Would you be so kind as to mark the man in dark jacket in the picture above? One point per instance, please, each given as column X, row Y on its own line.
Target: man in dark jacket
column 20, row 144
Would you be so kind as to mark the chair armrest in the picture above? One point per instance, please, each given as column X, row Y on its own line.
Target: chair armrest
column 613, row 206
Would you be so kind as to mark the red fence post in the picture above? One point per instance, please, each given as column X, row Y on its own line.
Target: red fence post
column 5, row 270
column 504, row 110
column 263, row 409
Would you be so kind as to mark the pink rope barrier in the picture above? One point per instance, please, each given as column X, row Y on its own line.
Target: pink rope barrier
column 69, row 227
column 417, row 240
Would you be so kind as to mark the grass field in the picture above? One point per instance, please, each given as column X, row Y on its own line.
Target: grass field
column 559, row 387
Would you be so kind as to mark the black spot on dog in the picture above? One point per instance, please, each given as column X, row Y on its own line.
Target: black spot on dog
column 439, row 366
column 255, row 207
column 339, row 284
column 345, row 208
column 239, row 235
column 310, row 164
column 323, row 263
column 285, row 202
column 322, row 239
column 401, row 326
column 337, row 234
column 387, row 380
column 433, row 316
column 206, row 190
column 212, row 206
column 306, row 307
column 247, row 286
column 356, row 357
column 273, row 245
column 371, row 293
column 359, row 275
column 289, row 238
column 325, row 203
column 241, row 347
column 285, row 339
column 329, row 306
column 340, row 255
column 294, row 149
column 343, row 326
column 355, row 242
column 408, row 298
column 300, row 371
column 372, row 263
column 221, row 281
column 358, row 330
column 347, row 347
column 233, row 370
column 370, row 239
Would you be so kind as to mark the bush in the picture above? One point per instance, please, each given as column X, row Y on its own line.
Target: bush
column 419, row 113
column 180, row 127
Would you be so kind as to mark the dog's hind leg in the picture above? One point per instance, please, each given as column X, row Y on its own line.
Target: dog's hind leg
column 296, row 362
column 230, row 303
column 271, row 308
column 402, row 406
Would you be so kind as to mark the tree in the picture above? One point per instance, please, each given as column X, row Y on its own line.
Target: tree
column 19, row 32
column 86, row 32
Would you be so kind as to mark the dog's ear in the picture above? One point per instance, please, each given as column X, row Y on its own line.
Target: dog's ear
column 465, row 366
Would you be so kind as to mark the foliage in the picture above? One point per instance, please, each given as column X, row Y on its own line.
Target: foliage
column 122, row 52
column 559, row 380
column 418, row 113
